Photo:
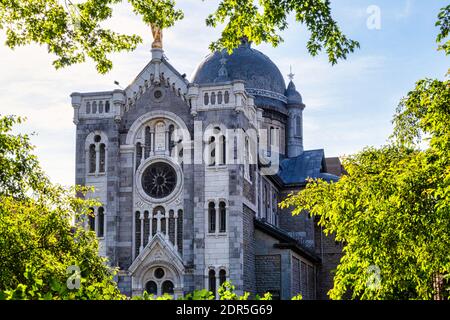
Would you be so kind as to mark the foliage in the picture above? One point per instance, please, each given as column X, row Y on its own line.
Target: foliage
column 73, row 32
column 261, row 21
column 392, row 210
column 225, row 292
column 41, row 231
column 444, row 25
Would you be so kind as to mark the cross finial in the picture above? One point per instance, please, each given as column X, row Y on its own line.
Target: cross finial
column 291, row 75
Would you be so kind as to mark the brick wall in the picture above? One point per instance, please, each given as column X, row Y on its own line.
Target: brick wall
column 249, row 250
column 268, row 273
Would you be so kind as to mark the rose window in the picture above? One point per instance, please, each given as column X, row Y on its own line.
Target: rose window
column 159, row 180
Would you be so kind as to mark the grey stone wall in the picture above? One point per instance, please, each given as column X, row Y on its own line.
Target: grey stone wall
column 299, row 226
column 330, row 253
column 249, row 250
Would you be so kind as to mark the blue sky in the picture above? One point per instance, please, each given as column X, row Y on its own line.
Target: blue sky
column 348, row 106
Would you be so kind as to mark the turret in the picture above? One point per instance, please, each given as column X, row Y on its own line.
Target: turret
column 295, row 108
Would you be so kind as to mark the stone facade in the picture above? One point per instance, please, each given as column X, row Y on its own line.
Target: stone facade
column 189, row 177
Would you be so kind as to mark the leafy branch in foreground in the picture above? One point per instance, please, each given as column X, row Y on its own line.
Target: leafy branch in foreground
column 42, row 232
column 74, row 31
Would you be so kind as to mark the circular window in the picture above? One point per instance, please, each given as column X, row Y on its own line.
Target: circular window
column 157, row 94
column 97, row 138
column 159, row 180
column 159, row 273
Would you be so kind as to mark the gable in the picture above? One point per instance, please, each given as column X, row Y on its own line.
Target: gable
column 169, row 76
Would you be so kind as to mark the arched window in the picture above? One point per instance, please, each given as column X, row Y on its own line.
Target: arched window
column 94, row 107
column 101, row 222
column 212, row 281
column 212, row 151
column 222, row 276
column 171, row 137
column 298, row 126
column 91, row 218
column 160, row 137
column 167, row 287
column 92, row 158
column 138, row 154
column 100, row 107
column 147, row 142
column 151, row 287
column 219, row 97
column 246, row 159
column 222, row 217
column 206, row 99
column 107, row 107
column 213, row 98
column 266, row 202
column 88, row 107
column 223, row 146
column 137, row 224
column 212, row 217
column 226, row 97
column 102, row 157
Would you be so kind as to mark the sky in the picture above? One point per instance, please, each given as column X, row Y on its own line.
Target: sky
column 348, row 106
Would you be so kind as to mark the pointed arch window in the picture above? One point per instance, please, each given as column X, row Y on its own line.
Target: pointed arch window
column 94, row 107
column 100, row 107
column 213, row 98
column 107, row 107
column 219, row 97
column 206, row 99
column 88, row 107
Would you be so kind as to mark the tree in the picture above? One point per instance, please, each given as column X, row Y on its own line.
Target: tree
column 73, row 32
column 392, row 210
column 44, row 249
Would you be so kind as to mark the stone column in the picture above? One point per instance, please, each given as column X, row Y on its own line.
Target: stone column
column 150, row 217
column 175, row 217
column 142, row 217
column 97, row 159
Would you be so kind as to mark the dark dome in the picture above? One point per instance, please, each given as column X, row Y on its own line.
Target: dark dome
column 249, row 65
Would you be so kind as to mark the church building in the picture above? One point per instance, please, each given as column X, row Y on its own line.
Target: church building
column 190, row 174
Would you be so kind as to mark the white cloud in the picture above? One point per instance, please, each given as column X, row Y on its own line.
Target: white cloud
column 30, row 86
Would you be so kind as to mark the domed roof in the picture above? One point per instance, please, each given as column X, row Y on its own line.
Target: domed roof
column 250, row 65
column 293, row 96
